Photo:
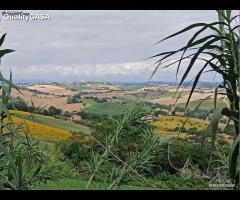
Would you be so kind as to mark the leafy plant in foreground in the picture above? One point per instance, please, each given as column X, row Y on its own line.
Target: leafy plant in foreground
column 219, row 51
column 22, row 162
column 137, row 160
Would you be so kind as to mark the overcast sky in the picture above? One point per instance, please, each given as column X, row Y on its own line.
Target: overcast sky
column 95, row 45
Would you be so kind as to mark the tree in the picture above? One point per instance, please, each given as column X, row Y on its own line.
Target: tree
column 21, row 105
column 219, row 52
column 74, row 99
column 67, row 114
column 52, row 111
column 45, row 112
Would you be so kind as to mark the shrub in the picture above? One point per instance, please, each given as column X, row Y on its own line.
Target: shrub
column 19, row 105
column 92, row 116
column 97, row 100
column 177, row 151
column 165, row 180
column 45, row 112
column 53, row 111
column 74, row 99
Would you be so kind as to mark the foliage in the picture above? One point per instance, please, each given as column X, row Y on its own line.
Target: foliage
column 52, row 111
column 92, row 116
column 22, row 161
column 165, row 180
column 25, row 165
column 19, row 105
column 77, row 149
column 129, row 148
column 219, row 52
column 96, row 99
column 122, row 148
column 74, row 99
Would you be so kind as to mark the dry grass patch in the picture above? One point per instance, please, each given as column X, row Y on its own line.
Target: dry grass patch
column 52, row 89
column 47, row 101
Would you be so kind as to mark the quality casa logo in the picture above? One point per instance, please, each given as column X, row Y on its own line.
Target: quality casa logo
column 25, row 16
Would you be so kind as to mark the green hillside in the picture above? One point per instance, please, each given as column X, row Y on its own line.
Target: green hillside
column 109, row 109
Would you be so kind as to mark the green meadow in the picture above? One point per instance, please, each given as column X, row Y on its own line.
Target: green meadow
column 107, row 108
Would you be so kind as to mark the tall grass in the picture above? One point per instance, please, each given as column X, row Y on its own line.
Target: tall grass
column 128, row 124
column 22, row 159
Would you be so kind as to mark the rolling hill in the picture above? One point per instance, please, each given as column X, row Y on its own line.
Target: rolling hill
column 48, row 128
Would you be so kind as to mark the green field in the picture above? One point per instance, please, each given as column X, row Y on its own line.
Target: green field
column 77, row 87
column 109, row 109
column 206, row 104
column 166, row 94
column 130, row 87
column 56, row 123
column 127, row 98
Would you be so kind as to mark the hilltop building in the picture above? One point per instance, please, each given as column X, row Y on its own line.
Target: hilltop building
column 75, row 118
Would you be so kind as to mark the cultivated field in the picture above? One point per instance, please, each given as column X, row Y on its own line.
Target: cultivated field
column 55, row 95
column 52, row 122
column 47, row 100
column 206, row 104
column 171, row 101
column 109, row 109
column 52, row 89
column 41, row 131
column 164, row 125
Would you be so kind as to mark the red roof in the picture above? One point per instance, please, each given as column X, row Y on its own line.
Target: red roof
column 75, row 118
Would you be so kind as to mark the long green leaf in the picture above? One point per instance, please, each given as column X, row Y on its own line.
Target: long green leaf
column 194, row 110
column 195, row 83
column 187, row 29
column 233, row 158
column 228, row 12
column 201, row 49
column 4, row 52
column 213, row 126
column 194, row 37
column 2, row 39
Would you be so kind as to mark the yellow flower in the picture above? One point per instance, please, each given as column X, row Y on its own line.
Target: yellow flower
column 41, row 131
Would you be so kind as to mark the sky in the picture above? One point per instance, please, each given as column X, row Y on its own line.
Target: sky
column 100, row 45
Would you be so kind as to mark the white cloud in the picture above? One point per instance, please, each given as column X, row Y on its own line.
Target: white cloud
column 84, row 71
column 131, row 71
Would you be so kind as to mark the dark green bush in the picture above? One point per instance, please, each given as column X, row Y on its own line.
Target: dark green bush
column 53, row 111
